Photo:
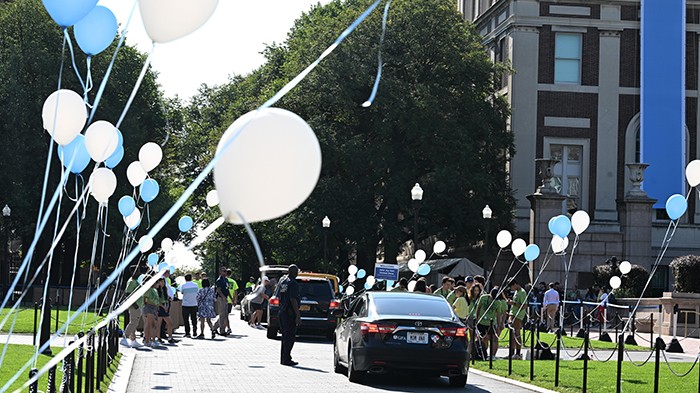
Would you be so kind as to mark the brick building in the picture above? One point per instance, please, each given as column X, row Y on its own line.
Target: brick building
column 575, row 98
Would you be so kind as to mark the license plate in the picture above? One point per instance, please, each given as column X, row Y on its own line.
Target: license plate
column 416, row 338
column 304, row 308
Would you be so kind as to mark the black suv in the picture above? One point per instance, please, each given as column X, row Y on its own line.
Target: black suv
column 317, row 305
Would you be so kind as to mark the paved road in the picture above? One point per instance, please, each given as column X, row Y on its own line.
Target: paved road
column 248, row 362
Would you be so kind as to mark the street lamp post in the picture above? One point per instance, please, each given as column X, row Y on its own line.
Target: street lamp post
column 417, row 197
column 326, row 222
column 487, row 215
column 5, row 270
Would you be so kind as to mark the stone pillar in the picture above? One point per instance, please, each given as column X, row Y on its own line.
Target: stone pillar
column 545, row 203
column 635, row 220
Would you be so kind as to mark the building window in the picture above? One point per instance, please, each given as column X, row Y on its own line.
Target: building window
column 568, row 174
column 567, row 58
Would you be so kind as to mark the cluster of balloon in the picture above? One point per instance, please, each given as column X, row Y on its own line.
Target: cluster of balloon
column 276, row 158
column 130, row 213
column 560, row 227
column 416, row 264
column 615, row 281
column 64, row 115
column 352, row 271
column 369, row 282
column 519, row 247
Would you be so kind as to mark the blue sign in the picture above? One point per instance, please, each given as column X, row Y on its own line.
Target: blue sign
column 386, row 271
column 662, row 114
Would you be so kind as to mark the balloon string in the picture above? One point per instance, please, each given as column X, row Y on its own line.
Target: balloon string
column 92, row 262
column 88, row 80
column 72, row 56
column 103, row 84
column 148, row 216
column 75, row 258
column 253, row 239
column 370, row 100
column 194, row 185
column 137, row 85
column 105, row 219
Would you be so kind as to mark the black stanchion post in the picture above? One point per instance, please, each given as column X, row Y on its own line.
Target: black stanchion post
column 491, row 345
column 556, row 366
column 585, row 362
column 36, row 319
column 651, row 333
column 533, row 327
column 79, row 367
column 100, row 356
column 630, row 340
column 34, row 387
column 510, row 350
column 620, row 351
column 472, row 341
column 70, row 360
column 659, row 344
column 90, row 363
column 51, row 384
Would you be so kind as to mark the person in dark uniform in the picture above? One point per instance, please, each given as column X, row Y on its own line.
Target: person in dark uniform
column 289, row 313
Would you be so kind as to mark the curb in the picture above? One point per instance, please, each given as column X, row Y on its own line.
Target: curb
column 120, row 380
column 511, row 381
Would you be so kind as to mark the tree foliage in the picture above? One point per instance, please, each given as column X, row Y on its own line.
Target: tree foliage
column 686, row 270
column 437, row 120
column 632, row 282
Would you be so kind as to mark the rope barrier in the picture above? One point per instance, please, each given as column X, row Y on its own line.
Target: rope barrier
column 668, row 364
column 651, row 353
column 606, row 360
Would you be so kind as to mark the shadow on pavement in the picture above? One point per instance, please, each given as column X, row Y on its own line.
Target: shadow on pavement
column 409, row 383
column 310, row 369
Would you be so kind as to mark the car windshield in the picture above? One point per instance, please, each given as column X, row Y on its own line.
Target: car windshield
column 314, row 289
column 413, row 306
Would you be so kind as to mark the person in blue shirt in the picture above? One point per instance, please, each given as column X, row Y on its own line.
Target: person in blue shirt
column 289, row 314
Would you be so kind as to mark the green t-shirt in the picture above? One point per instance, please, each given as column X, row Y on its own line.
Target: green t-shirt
column 198, row 282
column 500, row 306
column 519, row 308
column 232, row 288
column 131, row 286
column 461, row 307
column 151, row 297
column 485, row 312
column 452, row 296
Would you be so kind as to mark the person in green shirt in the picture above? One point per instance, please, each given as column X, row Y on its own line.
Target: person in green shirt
column 518, row 307
column 151, row 302
column 135, row 309
column 198, row 280
column 446, row 288
column 249, row 285
column 233, row 289
column 484, row 320
column 460, row 304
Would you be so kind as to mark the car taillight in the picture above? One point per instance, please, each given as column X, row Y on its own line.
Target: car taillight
column 454, row 332
column 334, row 305
column 274, row 301
column 367, row 328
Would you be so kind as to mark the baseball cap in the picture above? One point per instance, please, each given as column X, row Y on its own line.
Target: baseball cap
column 469, row 279
column 264, row 278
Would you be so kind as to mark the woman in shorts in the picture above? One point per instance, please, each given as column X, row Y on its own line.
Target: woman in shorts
column 164, row 311
column 151, row 302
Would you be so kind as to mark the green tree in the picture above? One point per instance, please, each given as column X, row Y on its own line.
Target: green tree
column 437, row 120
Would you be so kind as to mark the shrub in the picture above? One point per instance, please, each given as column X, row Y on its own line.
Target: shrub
column 686, row 270
column 632, row 282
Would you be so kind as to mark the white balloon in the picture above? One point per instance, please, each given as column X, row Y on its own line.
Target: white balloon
column 133, row 219
column 64, row 115
column 692, row 173
column 439, row 246
column 412, row 285
column 352, row 278
column 103, row 183
column 352, row 269
column 135, row 174
column 370, row 280
column 420, row 256
column 615, row 282
column 580, row 222
column 145, row 243
column 168, row 20
column 559, row 244
column 518, row 247
column 101, row 140
column 625, row 267
column 503, row 238
column 349, row 290
column 275, row 158
column 212, row 198
column 150, row 156
column 166, row 244
column 413, row 264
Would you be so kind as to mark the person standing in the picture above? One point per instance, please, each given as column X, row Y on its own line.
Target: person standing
column 550, row 301
column 189, row 305
column 257, row 298
column 446, row 288
column 249, row 285
column 151, row 302
column 289, row 315
column 518, row 307
column 233, row 289
column 205, row 308
column 135, row 309
column 197, row 280
column 222, row 296
column 460, row 304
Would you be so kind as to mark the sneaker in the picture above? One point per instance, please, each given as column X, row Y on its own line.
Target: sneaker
column 135, row 344
column 213, row 334
column 125, row 342
column 201, row 336
column 257, row 325
column 155, row 344
column 188, row 335
column 172, row 341
column 260, row 327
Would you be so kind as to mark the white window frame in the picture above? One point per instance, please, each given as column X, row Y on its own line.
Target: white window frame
column 585, row 165
column 579, row 58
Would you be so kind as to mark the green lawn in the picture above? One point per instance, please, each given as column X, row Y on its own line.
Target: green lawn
column 572, row 343
column 17, row 355
column 25, row 320
column 602, row 377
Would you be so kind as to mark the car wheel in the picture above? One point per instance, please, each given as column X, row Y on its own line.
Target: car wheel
column 353, row 375
column 337, row 367
column 271, row 332
column 458, row 381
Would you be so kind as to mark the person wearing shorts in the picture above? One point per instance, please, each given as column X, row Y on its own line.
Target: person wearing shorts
column 518, row 307
column 151, row 301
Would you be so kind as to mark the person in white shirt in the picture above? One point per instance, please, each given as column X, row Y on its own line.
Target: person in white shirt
column 189, row 305
column 257, row 297
column 551, row 305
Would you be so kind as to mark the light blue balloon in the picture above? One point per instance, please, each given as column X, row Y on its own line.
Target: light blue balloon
column 532, row 252
column 96, row 31
column 389, row 283
column 115, row 158
column 126, row 205
column 361, row 273
column 185, row 223
column 561, row 226
column 340, row 288
column 75, row 152
column 152, row 259
column 162, row 266
column 121, row 138
column 423, row 269
column 140, row 279
column 172, row 269
column 149, row 190
column 367, row 286
column 676, row 205
column 550, row 225
column 68, row 12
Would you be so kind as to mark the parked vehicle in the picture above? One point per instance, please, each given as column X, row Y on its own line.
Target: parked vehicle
column 318, row 307
column 401, row 331
column 274, row 273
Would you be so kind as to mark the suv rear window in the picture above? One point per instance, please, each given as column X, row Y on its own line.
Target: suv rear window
column 315, row 289
column 428, row 307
